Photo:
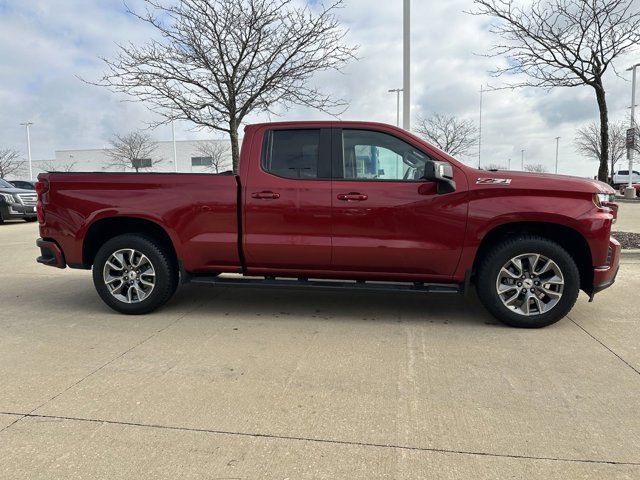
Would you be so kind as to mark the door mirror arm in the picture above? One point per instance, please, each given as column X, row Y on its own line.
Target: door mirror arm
column 442, row 174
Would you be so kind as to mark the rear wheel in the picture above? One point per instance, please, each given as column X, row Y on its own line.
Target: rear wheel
column 133, row 274
column 528, row 282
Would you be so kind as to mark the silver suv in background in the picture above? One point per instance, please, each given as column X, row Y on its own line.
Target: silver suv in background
column 23, row 184
column 16, row 203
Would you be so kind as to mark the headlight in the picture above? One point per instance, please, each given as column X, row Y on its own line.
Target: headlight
column 603, row 199
column 8, row 197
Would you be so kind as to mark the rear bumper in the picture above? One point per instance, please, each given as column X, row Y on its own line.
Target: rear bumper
column 50, row 254
column 605, row 276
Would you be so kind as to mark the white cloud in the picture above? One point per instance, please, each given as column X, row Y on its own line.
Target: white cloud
column 46, row 44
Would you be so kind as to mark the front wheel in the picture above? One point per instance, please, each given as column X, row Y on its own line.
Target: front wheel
column 528, row 282
column 134, row 275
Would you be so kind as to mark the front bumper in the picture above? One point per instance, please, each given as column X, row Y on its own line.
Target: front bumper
column 605, row 276
column 17, row 210
column 51, row 254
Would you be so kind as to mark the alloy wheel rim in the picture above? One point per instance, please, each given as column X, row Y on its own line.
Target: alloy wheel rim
column 530, row 284
column 129, row 275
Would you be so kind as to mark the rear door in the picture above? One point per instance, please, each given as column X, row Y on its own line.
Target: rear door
column 287, row 200
column 386, row 218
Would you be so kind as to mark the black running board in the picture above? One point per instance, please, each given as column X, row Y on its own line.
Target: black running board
column 370, row 286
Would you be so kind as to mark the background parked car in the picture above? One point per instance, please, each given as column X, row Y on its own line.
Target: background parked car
column 17, row 203
column 23, row 184
column 621, row 177
column 634, row 185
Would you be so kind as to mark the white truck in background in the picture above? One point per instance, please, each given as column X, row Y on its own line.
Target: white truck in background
column 621, row 177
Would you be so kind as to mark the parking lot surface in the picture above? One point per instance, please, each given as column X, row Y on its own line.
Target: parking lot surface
column 256, row 383
column 628, row 217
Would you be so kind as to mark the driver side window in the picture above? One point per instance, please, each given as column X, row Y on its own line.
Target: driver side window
column 369, row 155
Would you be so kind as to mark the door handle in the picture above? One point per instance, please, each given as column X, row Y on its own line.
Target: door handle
column 266, row 195
column 352, row 197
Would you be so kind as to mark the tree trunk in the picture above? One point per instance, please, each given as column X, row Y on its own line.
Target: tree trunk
column 235, row 148
column 611, row 171
column 603, row 170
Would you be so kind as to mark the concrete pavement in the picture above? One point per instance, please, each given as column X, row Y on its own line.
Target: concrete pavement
column 257, row 383
column 628, row 217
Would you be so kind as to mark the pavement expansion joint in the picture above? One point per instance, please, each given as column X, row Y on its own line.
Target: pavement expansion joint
column 117, row 357
column 604, row 345
column 321, row 440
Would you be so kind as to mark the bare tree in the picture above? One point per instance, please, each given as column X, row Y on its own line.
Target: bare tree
column 134, row 150
column 54, row 166
column 10, row 162
column 535, row 168
column 588, row 142
column 494, row 166
column 218, row 152
column 565, row 43
column 220, row 60
column 449, row 133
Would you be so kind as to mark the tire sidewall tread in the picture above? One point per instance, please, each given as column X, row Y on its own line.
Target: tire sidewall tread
column 164, row 265
column 503, row 251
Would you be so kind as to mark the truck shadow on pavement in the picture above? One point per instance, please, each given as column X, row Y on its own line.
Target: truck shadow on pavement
column 336, row 306
column 78, row 296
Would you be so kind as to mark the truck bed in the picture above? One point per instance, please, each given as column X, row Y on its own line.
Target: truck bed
column 198, row 211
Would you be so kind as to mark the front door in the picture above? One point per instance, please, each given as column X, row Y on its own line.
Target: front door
column 287, row 201
column 386, row 218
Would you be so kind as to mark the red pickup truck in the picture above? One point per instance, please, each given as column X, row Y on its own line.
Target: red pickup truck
column 336, row 205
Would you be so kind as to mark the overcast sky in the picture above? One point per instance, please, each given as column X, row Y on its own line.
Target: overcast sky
column 45, row 45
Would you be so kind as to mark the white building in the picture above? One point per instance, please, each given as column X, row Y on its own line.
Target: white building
column 189, row 155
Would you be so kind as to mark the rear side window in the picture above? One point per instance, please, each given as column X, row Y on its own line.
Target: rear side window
column 293, row 153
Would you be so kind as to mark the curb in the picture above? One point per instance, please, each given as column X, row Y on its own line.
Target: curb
column 630, row 253
column 626, row 200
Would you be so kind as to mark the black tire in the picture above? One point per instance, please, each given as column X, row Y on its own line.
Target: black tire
column 30, row 219
column 489, row 269
column 166, row 273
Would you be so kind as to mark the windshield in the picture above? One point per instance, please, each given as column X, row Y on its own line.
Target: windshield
column 5, row 184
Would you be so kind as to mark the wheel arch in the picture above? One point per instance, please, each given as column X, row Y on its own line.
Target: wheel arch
column 104, row 229
column 568, row 238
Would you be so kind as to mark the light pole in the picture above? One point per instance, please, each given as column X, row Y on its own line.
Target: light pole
column 631, row 146
column 482, row 92
column 406, row 70
column 557, row 147
column 397, row 91
column 480, row 129
column 27, row 125
column 509, row 167
column 522, row 153
column 175, row 151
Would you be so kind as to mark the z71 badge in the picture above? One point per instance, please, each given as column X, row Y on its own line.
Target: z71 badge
column 493, row 181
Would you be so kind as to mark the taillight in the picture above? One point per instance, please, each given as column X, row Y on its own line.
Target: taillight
column 42, row 189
